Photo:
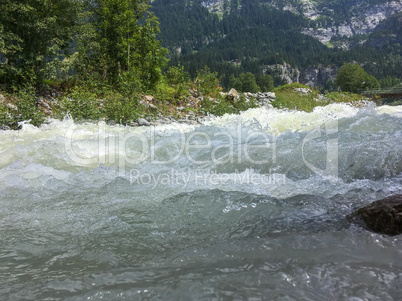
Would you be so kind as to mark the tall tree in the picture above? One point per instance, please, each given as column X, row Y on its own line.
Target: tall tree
column 32, row 33
column 125, row 46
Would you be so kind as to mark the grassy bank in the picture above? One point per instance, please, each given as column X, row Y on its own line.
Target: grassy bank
column 181, row 99
column 300, row 97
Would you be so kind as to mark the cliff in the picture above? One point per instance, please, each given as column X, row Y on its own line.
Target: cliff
column 331, row 18
column 314, row 76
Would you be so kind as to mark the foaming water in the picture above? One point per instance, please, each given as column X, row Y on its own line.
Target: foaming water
column 248, row 206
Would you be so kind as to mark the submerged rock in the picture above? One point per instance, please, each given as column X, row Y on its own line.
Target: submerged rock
column 382, row 216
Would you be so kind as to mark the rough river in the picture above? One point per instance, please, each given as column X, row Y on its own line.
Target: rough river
column 240, row 207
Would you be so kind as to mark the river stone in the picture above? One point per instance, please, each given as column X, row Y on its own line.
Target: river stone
column 233, row 95
column 382, row 216
column 143, row 122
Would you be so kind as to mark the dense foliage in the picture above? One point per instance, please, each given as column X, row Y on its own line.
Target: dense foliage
column 105, row 56
column 352, row 78
column 115, row 39
column 249, row 36
column 33, row 34
column 123, row 46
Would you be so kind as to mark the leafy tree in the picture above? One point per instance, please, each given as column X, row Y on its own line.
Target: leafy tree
column 245, row 83
column 32, row 34
column 352, row 78
column 123, row 47
column 265, row 82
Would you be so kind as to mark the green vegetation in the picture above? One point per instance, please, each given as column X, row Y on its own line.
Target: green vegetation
column 244, row 83
column 352, row 78
column 105, row 61
column 300, row 97
column 121, row 44
column 82, row 102
column 222, row 105
column 288, row 97
column 256, row 34
column 114, row 39
column 20, row 108
column 32, row 35
column 389, row 81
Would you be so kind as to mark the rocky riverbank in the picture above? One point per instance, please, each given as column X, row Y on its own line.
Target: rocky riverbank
column 194, row 109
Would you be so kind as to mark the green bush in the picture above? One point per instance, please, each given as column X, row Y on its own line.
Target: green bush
column 244, row 83
column 221, row 106
column 343, row 97
column 206, row 83
column 28, row 109
column 6, row 118
column 179, row 80
column 166, row 94
column 129, row 83
column 81, row 104
column 174, row 88
column 122, row 110
column 291, row 87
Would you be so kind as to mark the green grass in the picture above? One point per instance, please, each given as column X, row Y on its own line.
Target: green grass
column 288, row 97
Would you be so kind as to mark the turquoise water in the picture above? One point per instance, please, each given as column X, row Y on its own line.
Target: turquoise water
column 248, row 207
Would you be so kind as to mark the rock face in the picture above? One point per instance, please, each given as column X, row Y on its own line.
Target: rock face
column 383, row 216
column 389, row 31
column 313, row 76
column 363, row 21
column 318, row 76
column 362, row 16
column 285, row 71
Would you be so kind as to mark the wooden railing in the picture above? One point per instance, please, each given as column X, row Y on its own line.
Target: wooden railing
column 384, row 93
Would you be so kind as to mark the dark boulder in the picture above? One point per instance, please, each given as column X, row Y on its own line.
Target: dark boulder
column 383, row 216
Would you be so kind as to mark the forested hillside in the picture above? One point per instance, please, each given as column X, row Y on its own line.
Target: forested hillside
column 248, row 35
column 115, row 60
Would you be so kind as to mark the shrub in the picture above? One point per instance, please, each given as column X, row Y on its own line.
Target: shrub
column 28, row 109
column 206, row 82
column 81, row 104
column 245, row 83
column 122, row 110
column 6, row 118
column 178, row 79
column 221, row 106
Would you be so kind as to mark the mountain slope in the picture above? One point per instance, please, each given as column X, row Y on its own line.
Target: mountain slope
column 335, row 18
column 232, row 37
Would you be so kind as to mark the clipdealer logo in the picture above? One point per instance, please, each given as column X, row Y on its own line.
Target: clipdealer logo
column 132, row 146
column 200, row 148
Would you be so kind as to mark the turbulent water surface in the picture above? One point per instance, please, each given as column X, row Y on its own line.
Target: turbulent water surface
column 248, row 207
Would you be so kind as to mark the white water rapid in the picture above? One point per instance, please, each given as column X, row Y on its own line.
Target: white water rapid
column 241, row 207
